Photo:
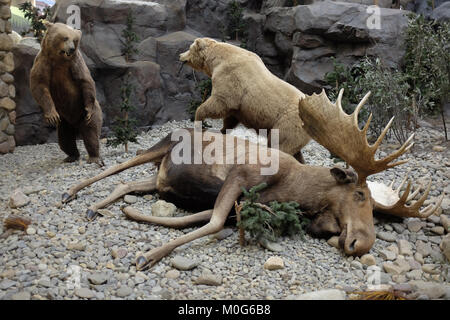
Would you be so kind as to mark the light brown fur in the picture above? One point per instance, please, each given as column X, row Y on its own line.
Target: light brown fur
column 62, row 85
column 244, row 90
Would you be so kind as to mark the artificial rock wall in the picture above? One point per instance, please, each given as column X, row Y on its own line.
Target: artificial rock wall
column 7, row 89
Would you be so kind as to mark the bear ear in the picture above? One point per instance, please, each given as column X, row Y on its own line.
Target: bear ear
column 200, row 43
column 48, row 24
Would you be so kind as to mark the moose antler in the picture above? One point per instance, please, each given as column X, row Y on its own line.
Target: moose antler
column 401, row 209
column 339, row 132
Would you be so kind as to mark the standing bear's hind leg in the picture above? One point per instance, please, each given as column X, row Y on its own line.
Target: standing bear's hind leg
column 91, row 137
column 67, row 140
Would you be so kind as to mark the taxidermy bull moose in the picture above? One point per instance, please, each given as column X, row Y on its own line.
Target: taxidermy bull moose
column 338, row 200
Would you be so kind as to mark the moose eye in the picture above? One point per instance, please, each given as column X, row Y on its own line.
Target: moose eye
column 359, row 196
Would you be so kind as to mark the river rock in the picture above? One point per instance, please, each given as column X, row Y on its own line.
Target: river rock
column 274, row 263
column 445, row 246
column 209, row 279
column 98, row 278
column 432, row 290
column 23, row 295
column 386, row 236
column 182, row 263
column 162, row 208
column 405, row 247
column 328, row 294
column 18, row 199
column 84, row 293
column 368, row 260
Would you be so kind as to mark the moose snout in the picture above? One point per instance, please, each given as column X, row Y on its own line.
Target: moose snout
column 355, row 244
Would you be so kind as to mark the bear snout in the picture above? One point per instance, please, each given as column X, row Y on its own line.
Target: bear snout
column 184, row 57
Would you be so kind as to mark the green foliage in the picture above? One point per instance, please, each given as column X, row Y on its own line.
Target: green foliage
column 236, row 25
column 124, row 127
column 389, row 95
column 279, row 219
column 389, row 99
column 36, row 19
column 204, row 88
column 343, row 77
column 421, row 87
column 427, row 63
column 130, row 38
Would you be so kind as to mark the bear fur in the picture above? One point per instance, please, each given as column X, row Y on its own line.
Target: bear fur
column 62, row 85
column 245, row 91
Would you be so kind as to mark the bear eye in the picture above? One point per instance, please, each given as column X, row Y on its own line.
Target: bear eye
column 66, row 38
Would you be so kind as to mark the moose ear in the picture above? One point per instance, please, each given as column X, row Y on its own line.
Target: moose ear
column 343, row 176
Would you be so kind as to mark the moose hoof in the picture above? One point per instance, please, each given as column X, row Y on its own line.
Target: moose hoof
column 67, row 197
column 91, row 214
column 141, row 263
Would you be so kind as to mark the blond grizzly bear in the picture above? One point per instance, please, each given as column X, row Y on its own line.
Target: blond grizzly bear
column 62, row 85
column 245, row 91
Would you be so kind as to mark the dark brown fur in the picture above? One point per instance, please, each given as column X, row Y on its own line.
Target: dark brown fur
column 63, row 87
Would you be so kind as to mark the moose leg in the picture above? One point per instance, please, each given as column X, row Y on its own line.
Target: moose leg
column 141, row 186
column 155, row 153
column 171, row 222
column 224, row 203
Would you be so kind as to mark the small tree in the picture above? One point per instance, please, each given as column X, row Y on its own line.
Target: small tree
column 130, row 38
column 124, row 127
column 269, row 222
column 236, row 24
column 36, row 19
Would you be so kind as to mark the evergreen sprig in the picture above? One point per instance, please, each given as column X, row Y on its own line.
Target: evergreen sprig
column 270, row 222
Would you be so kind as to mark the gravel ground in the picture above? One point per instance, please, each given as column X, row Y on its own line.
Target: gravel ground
column 62, row 256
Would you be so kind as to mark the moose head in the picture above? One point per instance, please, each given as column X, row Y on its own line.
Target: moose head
column 339, row 132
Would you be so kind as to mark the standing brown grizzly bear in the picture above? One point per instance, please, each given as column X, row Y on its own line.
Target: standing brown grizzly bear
column 63, row 87
column 244, row 90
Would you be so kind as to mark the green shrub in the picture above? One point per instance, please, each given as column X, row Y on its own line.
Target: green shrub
column 427, row 63
column 269, row 222
column 389, row 96
column 421, row 87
